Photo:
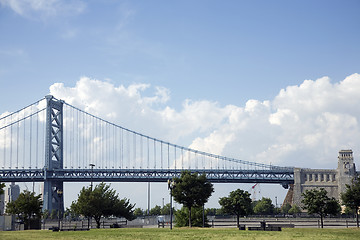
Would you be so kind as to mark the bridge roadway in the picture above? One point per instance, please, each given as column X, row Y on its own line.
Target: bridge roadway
column 282, row 176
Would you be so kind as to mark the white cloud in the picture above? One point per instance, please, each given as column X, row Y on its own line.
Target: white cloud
column 43, row 8
column 303, row 125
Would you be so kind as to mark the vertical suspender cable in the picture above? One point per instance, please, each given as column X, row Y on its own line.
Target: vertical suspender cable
column 122, row 148
column 37, row 141
column 24, row 141
column 189, row 160
column 148, row 153
column 161, row 155
column 128, row 150
column 4, row 144
column 30, row 144
column 78, row 139
column 72, row 152
column 141, row 151
column 83, row 131
column 154, row 154
column 182, row 158
column 134, row 165
column 175, row 156
column 168, row 155
column 114, row 147
column 10, row 162
column 17, row 141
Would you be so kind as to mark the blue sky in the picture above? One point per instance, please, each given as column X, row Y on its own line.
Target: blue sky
column 228, row 51
column 266, row 81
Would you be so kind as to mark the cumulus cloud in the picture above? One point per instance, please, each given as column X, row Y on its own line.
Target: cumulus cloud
column 44, row 8
column 304, row 125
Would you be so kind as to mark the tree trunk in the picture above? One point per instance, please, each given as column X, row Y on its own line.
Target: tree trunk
column 357, row 218
column 322, row 221
column 189, row 216
column 237, row 222
column 97, row 219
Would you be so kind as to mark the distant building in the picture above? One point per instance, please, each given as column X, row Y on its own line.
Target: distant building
column 12, row 193
column 332, row 180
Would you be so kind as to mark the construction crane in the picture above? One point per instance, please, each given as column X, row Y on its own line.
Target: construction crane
column 254, row 190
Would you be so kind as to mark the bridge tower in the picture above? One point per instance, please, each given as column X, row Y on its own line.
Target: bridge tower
column 53, row 189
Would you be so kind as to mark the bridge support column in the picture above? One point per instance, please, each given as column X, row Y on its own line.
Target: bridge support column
column 53, row 156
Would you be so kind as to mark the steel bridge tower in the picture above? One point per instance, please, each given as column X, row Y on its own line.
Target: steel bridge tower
column 53, row 188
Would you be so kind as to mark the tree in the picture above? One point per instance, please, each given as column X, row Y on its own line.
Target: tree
column 138, row 212
column 264, row 207
column 294, row 210
column 191, row 190
column 351, row 197
column 285, row 208
column 102, row 202
column 155, row 211
column 166, row 209
column 237, row 203
column 27, row 206
column 317, row 202
column 2, row 186
column 182, row 217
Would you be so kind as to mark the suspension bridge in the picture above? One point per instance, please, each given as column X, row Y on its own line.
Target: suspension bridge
column 54, row 142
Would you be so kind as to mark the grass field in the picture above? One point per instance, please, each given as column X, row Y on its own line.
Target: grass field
column 185, row 233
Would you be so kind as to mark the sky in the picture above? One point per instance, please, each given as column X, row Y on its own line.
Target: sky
column 265, row 81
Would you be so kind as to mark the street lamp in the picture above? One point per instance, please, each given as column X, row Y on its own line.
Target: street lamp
column 59, row 193
column 91, row 186
column 171, row 185
column 92, row 167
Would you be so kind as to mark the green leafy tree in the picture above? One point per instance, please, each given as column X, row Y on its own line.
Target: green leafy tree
column 211, row 211
column 294, row 210
column 102, row 202
column 219, row 212
column 2, row 186
column 192, row 190
column 349, row 211
column 155, row 211
column 27, row 206
column 53, row 214
column 237, row 203
column 138, row 212
column 182, row 217
column 46, row 214
column 317, row 202
column 166, row 209
column 285, row 208
column 351, row 197
column 264, row 207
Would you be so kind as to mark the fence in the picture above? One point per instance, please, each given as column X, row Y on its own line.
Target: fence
column 297, row 222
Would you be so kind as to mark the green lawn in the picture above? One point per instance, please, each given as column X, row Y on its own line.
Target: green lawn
column 185, row 233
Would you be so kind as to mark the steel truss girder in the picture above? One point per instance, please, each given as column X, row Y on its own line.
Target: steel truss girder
column 278, row 176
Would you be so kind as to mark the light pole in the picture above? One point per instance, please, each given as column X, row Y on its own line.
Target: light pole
column 171, row 185
column 92, row 168
column 59, row 193
column 91, row 187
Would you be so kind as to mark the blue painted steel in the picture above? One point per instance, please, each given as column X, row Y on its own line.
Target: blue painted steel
column 279, row 176
column 53, row 155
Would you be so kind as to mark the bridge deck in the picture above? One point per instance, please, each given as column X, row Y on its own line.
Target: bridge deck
column 281, row 176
